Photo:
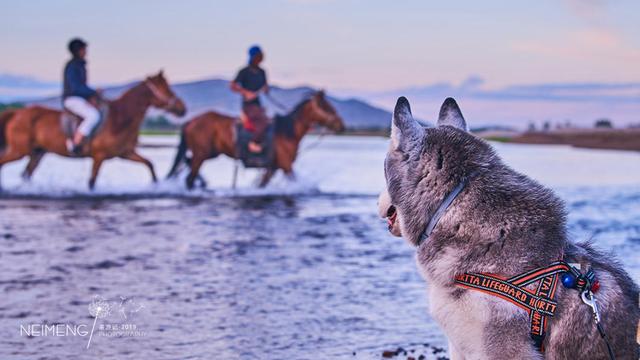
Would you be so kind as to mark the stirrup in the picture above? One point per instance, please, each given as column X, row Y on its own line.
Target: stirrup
column 77, row 150
column 74, row 149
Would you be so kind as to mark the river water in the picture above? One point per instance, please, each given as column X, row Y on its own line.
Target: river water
column 301, row 270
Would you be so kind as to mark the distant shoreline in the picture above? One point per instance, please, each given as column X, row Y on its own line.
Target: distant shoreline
column 604, row 139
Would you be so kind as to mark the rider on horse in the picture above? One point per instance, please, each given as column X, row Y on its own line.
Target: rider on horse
column 250, row 82
column 77, row 97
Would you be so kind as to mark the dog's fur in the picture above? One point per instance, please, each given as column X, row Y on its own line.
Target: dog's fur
column 501, row 223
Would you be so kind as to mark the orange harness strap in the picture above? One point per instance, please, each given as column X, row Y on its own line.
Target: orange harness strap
column 538, row 304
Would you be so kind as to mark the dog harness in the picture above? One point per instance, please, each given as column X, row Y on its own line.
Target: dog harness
column 539, row 302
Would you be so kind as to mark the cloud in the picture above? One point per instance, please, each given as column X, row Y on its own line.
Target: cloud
column 471, row 83
column 304, row 2
column 593, row 12
column 473, row 88
column 584, row 45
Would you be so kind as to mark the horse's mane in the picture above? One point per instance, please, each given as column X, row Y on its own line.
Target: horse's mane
column 133, row 87
column 122, row 105
column 285, row 123
column 294, row 113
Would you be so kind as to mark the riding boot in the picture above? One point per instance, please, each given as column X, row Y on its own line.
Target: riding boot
column 77, row 149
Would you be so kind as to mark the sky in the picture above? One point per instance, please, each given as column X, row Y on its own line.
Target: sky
column 341, row 45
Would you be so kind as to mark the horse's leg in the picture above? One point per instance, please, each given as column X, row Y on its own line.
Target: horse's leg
column 97, row 162
column 34, row 160
column 9, row 156
column 196, row 163
column 134, row 156
column 288, row 170
column 203, row 182
column 266, row 177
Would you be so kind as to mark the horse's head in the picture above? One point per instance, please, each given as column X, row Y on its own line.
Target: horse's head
column 162, row 95
column 324, row 113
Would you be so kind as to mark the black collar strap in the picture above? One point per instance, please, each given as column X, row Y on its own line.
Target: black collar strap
column 444, row 206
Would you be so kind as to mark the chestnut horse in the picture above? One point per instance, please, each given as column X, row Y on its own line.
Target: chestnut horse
column 211, row 134
column 35, row 130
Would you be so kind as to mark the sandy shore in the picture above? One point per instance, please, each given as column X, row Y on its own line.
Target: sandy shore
column 612, row 139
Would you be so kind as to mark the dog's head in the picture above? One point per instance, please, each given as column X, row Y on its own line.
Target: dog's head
column 424, row 164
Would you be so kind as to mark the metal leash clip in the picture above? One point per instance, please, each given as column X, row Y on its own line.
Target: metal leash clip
column 588, row 298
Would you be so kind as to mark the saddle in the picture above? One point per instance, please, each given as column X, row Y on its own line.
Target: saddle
column 283, row 125
column 69, row 121
column 263, row 159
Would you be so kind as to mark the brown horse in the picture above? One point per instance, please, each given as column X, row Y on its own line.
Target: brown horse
column 35, row 130
column 211, row 134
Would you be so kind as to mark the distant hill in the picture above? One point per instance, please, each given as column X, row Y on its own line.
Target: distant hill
column 214, row 94
column 519, row 105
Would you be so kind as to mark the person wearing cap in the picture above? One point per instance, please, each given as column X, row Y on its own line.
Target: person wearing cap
column 250, row 82
column 77, row 96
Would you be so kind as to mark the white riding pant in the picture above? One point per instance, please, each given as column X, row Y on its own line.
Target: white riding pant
column 84, row 109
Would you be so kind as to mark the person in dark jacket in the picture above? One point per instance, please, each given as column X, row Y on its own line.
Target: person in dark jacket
column 77, row 96
column 250, row 82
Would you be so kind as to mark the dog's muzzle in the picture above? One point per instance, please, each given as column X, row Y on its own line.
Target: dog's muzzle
column 388, row 211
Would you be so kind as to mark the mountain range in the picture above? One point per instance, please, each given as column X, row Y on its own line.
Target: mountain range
column 514, row 106
column 214, row 94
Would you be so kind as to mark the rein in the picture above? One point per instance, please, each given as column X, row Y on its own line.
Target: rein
column 314, row 144
column 169, row 101
column 323, row 131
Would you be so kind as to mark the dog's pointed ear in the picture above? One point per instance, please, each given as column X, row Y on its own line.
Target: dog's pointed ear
column 450, row 114
column 404, row 128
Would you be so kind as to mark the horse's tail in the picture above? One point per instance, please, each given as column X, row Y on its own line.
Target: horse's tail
column 180, row 154
column 4, row 120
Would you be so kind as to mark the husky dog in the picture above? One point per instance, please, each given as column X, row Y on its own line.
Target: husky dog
column 500, row 223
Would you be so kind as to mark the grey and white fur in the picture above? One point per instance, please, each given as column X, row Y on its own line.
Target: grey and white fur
column 502, row 223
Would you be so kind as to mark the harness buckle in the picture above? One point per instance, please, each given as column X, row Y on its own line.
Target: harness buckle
column 589, row 299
